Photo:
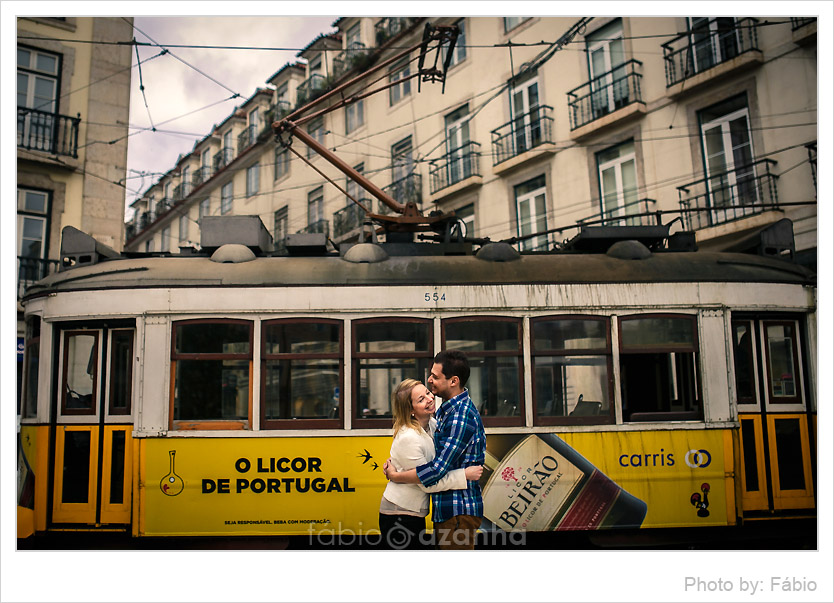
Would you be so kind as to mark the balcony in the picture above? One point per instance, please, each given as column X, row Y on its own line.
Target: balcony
column 524, row 133
column 319, row 226
column 31, row 270
column 606, row 99
column 804, row 30
column 163, row 207
column 47, row 132
column 200, row 175
column 311, row 88
column 180, row 192
column 729, row 196
column 277, row 111
column 222, row 158
column 389, row 27
column 457, row 166
column 721, row 42
column 642, row 212
column 349, row 218
column 357, row 56
column 404, row 190
column 246, row 139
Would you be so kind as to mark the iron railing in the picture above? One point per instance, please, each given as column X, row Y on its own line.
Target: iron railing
column 641, row 212
column 47, row 132
column 31, row 270
column 200, row 175
column 523, row 133
column 457, row 165
column 350, row 217
column 310, row 88
column 389, row 27
column 797, row 22
column 356, row 55
column 246, row 139
column 404, row 190
column 605, row 94
column 222, row 158
column 745, row 191
column 709, row 44
column 320, row 226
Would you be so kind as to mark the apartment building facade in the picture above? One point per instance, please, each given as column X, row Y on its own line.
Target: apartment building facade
column 707, row 124
column 73, row 99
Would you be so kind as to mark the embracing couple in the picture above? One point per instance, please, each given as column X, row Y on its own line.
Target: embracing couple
column 440, row 454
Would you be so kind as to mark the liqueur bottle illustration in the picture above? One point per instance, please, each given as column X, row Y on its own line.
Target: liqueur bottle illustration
column 172, row 483
column 540, row 484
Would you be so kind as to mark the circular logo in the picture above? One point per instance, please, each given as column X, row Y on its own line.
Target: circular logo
column 698, row 458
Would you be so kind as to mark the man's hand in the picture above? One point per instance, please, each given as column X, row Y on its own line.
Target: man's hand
column 386, row 466
column 473, row 473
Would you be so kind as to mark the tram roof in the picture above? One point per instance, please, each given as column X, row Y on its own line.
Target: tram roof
column 332, row 270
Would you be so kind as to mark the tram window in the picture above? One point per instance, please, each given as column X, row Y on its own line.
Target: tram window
column 782, row 362
column 31, row 365
column 386, row 351
column 121, row 365
column 571, row 370
column 659, row 368
column 80, row 373
column 743, row 361
column 302, row 379
column 493, row 346
column 212, row 364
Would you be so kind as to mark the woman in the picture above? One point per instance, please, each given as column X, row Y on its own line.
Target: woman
column 403, row 509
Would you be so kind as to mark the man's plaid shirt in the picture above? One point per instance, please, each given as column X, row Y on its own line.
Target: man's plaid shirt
column 460, row 442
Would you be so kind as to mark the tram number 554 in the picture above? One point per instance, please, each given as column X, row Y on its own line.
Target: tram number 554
column 435, row 297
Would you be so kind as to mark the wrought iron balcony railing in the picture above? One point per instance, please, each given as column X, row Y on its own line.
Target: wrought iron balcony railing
column 797, row 22
column 730, row 195
column 163, row 206
column 457, row 165
column 523, row 133
column 310, row 88
column 403, row 191
column 31, row 270
column 200, row 175
column 349, row 218
column 246, row 139
column 222, row 158
column 320, row 226
column 605, row 94
column 389, row 27
column 357, row 55
column 640, row 212
column 47, row 132
column 709, row 44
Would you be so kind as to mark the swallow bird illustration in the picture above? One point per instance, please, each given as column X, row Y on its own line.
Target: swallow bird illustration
column 375, row 466
column 366, row 456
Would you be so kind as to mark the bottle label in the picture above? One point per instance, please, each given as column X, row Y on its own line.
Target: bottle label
column 592, row 504
column 531, row 487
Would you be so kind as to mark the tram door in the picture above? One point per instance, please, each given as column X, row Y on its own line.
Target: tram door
column 776, row 415
column 92, row 446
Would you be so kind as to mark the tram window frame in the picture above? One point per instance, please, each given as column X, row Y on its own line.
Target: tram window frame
column 94, row 356
column 125, row 380
column 682, row 373
column 176, row 357
column 482, row 357
column 605, row 352
column 420, row 357
column 752, row 350
column 31, row 368
column 773, row 399
column 336, row 422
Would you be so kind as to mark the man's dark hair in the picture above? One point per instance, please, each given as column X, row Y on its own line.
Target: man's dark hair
column 455, row 364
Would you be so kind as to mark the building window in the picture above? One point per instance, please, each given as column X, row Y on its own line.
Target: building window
column 386, row 351
column 280, row 227
column 186, row 181
column 399, row 91
column 282, row 162
column 354, row 116
column 32, row 230
column 211, row 363
column 37, row 90
column 183, row 228
column 531, row 210
column 713, row 41
column 228, row 148
column 493, row 346
column 466, row 216
column 315, row 207
column 253, row 179
column 226, row 195
column 165, row 239
column 459, row 52
column 572, row 368
column 205, row 165
column 352, row 188
column 203, row 210
column 302, row 373
column 513, row 22
column 527, row 115
column 316, row 131
column 606, row 55
column 618, row 182
column 458, row 150
column 659, row 368
column 728, row 151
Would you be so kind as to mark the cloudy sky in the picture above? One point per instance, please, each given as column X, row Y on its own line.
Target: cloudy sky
column 189, row 90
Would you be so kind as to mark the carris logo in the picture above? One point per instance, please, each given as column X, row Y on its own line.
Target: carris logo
column 698, row 458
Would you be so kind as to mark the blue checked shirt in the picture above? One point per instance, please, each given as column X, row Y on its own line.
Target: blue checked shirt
column 460, row 442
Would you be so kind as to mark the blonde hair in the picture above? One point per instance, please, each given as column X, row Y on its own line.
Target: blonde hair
column 402, row 407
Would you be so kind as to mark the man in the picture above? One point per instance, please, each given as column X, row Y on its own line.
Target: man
column 460, row 442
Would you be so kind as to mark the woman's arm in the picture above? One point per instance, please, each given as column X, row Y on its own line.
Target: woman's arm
column 408, row 451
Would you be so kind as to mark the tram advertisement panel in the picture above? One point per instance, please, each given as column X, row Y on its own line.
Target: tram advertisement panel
column 532, row 482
